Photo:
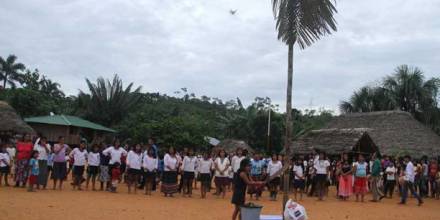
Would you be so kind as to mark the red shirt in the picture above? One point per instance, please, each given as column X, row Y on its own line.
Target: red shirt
column 24, row 150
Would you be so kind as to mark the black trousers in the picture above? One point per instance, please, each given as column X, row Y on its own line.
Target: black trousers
column 389, row 187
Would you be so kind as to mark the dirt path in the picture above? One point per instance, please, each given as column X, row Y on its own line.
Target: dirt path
column 17, row 204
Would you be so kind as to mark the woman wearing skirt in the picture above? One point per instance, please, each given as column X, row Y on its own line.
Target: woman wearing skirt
column 24, row 149
column 169, row 179
column 346, row 179
column 44, row 150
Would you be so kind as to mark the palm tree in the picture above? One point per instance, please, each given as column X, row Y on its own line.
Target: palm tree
column 368, row 99
column 10, row 70
column 300, row 22
column 51, row 88
column 109, row 101
column 409, row 89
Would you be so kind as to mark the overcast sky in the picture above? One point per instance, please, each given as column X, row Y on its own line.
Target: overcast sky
column 164, row 45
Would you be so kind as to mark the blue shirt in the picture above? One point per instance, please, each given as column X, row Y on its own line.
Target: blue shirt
column 161, row 165
column 257, row 167
column 33, row 163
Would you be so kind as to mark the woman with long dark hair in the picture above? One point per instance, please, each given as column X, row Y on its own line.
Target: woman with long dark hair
column 241, row 181
column 345, row 178
column 59, row 163
column 24, row 150
column 134, row 162
column 169, row 179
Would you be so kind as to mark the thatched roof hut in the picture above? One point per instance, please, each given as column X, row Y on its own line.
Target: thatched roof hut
column 335, row 141
column 231, row 145
column 11, row 122
column 394, row 132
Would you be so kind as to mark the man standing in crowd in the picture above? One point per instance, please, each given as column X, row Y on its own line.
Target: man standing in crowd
column 375, row 178
column 409, row 182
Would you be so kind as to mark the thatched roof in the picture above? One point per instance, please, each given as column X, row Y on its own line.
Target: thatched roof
column 394, row 132
column 335, row 141
column 231, row 145
column 10, row 121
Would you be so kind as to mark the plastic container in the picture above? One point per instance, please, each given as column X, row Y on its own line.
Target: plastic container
column 271, row 217
column 250, row 211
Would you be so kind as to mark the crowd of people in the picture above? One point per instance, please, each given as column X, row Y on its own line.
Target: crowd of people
column 107, row 167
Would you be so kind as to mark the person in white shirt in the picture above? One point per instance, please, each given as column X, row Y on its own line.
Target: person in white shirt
column 409, row 176
column 115, row 152
column 299, row 178
column 321, row 168
column 134, row 163
column 5, row 161
column 188, row 167
column 150, row 165
column 11, row 151
column 273, row 169
column 390, row 182
column 221, row 165
column 93, row 162
column 79, row 156
column 169, row 180
column 44, row 149
column 236, row 160
column 205, row 166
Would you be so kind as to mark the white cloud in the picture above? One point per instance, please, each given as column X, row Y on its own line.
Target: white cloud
column 167, row 45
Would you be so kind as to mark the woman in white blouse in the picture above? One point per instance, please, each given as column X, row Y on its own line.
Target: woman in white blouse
column 44, row 150
column 188, row 167
column 169, row 180
column 150, row 164
column 134, row 162
column 221, row 165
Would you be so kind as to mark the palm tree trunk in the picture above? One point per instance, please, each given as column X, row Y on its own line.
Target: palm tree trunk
column 5, row 80
column 289, row 123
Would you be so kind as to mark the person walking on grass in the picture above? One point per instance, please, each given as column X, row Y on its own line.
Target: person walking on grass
column 150, row 165
column 134, row 162
column 408, row 183
column 44, row 150
column 205, row 167
column 79, row 156
column 375, row 179
column 93, row 160
column 59, row 163
column 188, row 167
column 33, row 171
column 360, row 178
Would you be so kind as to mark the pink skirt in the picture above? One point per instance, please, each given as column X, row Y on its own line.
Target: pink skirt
column 345, row 185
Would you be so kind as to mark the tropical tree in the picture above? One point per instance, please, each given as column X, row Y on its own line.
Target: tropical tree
column 51, row 88
column 109, row 100
column 300, row 22
column 405, row 90
column 10, row 70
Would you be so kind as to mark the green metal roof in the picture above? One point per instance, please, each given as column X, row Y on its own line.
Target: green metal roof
column 67, row 120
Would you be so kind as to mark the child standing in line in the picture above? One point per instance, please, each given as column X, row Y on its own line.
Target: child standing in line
column 205, row 167
column 116, row 176
column 10, row 149
column 133, row 163
column 189, row 166
column 150, row 165
column 79, row 156
column 34, row 171
column 93, row 161
column 298, row 180
column 5, row 162
column 104, row 172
